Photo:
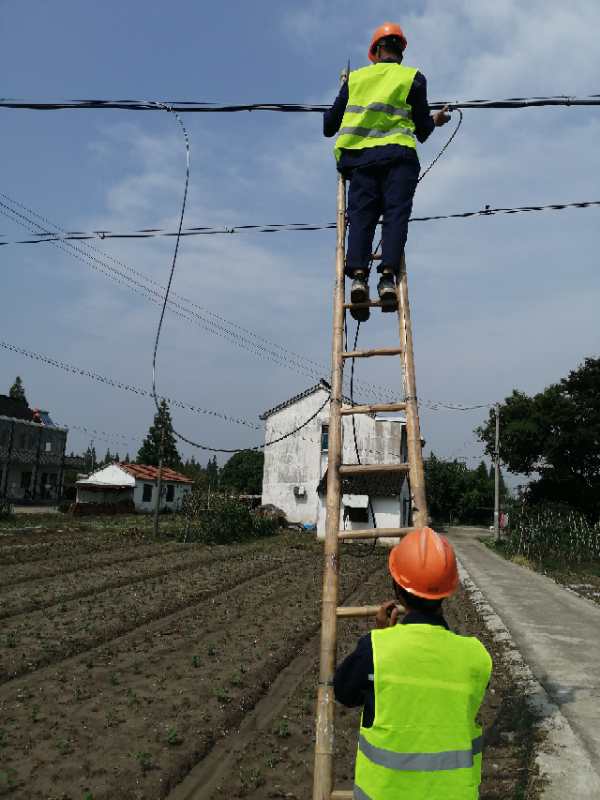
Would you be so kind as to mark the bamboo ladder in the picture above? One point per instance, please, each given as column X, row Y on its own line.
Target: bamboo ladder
column 323, row 770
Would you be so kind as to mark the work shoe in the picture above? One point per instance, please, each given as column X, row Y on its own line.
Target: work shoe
column 359, row 293
column 387, row 292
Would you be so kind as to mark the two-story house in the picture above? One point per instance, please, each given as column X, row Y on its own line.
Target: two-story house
column 294, row 474
column 32, row 451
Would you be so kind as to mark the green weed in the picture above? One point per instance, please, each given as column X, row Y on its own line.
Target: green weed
column 144, row 759
column 173, row 737
column 283, row 729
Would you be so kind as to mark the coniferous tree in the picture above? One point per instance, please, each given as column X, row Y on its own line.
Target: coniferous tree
column 17, row 391
column 149, row 452
column 107, row 457
column 212, row 471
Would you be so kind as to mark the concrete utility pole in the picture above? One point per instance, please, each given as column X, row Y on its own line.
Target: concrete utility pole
column 497, row 476
column 159, row 480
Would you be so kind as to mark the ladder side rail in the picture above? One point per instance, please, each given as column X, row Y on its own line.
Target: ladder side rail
column 323, row 771
column 413, row 428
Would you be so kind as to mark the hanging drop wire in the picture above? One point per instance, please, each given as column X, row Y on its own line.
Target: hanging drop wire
column 183, row 438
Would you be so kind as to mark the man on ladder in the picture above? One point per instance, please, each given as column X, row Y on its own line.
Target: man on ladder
column 380, row 113
column 420, row 684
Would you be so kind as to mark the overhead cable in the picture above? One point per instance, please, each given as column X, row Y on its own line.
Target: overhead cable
column 87, row 373
column 153, row 291
column 203, row 107
column 147, row 233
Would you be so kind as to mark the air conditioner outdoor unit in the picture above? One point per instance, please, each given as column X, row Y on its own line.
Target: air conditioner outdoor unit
column 299, row 491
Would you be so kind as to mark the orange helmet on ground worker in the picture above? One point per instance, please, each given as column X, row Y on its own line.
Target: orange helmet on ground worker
column 423, row 565
column 389, row 32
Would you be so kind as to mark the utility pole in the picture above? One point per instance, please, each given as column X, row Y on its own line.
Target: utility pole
column 159, row 480
column 497, row 476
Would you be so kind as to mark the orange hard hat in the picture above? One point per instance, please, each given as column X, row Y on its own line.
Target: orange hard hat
column 424, row 564
column 387, row 29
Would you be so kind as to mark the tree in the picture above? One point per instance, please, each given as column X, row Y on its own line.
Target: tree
column 243, row 472
column 456, row 493
column 107, row 458
column 17, row 392
column 554, row 435
column 91, row 459
column 149, row 452
column 212, row 472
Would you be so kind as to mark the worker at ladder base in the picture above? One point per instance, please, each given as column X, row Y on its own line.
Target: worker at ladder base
column 380, row 113
column 420, row 685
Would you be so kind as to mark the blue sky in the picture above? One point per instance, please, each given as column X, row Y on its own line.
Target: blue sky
column 497, row 303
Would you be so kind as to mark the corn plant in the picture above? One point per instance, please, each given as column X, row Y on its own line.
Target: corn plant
column 548, row 534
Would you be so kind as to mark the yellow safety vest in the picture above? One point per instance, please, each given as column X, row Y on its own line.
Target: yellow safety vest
column 377, row 112
column 424, row 743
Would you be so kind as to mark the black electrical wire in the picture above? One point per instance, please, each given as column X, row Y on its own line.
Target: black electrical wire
column 216, row 325
column 183, row 438
column 190, row 106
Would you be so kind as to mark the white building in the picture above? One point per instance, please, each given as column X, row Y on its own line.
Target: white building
column 295, row 467
column 121, row 483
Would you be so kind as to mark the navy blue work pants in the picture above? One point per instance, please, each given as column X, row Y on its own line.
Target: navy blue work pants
column 378, row 189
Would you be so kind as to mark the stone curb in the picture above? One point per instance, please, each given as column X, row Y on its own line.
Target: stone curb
column 565, row 768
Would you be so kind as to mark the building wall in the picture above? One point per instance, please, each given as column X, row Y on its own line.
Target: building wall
column 100, row 497
column 179, row 492
column 390, row 512
column 298, row 461
column 37, row 452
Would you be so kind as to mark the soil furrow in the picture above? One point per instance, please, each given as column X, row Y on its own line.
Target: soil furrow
column 22, row 573
column 13, row 602
column 48, row 636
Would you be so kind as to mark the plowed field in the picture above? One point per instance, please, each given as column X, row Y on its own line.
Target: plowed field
column 134, row 670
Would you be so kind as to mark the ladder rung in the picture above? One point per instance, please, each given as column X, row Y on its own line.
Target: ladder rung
column 381, row 351
column 342, row 794
column 375, row 533
column 357, row 611
column 376, row 257
column 373, row 409
column 361, row 611
column 370, row 469
column 368, row 304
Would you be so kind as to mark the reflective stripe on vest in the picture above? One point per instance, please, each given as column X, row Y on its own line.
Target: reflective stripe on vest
column 421, row 762
column 424, row 743
column 377, row 112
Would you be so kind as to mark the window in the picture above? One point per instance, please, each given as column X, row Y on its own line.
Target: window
column 356, row 514
column 170, row 493
column 25, row 480
column 48, row 446
column 324, row 438
column 147, row 493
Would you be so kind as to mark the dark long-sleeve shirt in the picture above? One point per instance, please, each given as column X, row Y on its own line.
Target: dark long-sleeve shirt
column 353, row 681
column 421, row 114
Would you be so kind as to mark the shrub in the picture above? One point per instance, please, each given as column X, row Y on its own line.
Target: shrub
column 222, row 520
column 6, row 509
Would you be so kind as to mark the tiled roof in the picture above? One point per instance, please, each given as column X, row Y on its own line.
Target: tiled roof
column 321, row 385
column 374, row 485
column 147, row 473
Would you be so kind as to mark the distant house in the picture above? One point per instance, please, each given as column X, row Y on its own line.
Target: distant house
column 295, row 468
column 118, row 484
column 32, row 452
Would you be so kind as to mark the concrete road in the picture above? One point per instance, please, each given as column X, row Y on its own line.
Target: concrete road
column 557, row 632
